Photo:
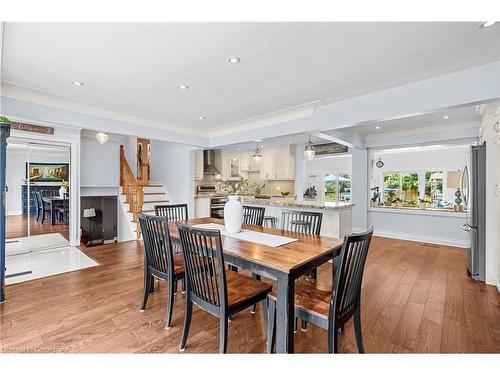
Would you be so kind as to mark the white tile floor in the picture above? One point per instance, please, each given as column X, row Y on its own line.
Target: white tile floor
column 32, row 243
column 44, row 263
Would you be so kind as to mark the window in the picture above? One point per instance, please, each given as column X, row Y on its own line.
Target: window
column 433, row 187
column 392, row 187
column 338, row 187
column 401, row 187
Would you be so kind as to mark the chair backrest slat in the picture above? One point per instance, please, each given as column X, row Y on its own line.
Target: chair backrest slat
column 204, row 265
column 157, row 243
column 253, row 215
column 173, row 212
column 348, row 280
column 301, row 221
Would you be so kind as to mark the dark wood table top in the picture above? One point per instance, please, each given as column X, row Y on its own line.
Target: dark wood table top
column 54, row 198
column 283, row 258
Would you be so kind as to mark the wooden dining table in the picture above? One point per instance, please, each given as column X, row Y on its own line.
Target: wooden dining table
column 284, row 264
column 54, row 202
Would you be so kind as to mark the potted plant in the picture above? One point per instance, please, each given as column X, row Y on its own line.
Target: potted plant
column 5, row 122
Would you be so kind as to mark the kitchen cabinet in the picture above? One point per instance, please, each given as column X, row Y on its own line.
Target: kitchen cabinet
column 278, row 163
column 230, row 165
column 201, row 207
column 247, row 163
column 198, row 165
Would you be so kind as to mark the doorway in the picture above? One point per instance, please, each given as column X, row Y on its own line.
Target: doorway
column 37, row 197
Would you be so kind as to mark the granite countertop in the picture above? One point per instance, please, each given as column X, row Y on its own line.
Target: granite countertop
column 290, row 202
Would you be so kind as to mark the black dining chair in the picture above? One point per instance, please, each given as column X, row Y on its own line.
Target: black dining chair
column 253, row 215
column 159, row 260
column 174, row 213
column 63, row 210
column 210, row 286
column 302, row 222
column 38, row 208
column 330, row 310
column 45, row 211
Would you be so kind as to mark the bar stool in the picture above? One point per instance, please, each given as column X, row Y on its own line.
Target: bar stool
column 270, row 221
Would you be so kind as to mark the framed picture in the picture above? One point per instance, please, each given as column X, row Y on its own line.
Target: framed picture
column 47, row 172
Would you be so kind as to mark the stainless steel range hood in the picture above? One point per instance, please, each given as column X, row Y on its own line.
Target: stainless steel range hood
column 212, row 162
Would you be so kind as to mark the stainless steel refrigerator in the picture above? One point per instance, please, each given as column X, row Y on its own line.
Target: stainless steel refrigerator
column 473, row 189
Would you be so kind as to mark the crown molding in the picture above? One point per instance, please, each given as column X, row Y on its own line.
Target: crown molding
column 33, row 95
column 290, row 114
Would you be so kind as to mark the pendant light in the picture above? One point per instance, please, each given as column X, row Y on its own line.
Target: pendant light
column 257, row 154
column 309, row 151
column 101, row 137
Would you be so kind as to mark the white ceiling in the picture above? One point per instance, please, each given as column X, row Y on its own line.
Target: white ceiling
column 137, row 67
column 457, row 118
column 466, row 114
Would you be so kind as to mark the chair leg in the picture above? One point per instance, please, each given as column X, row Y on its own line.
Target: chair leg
column 295, row 323
column 333, row 339
column 271, row 324
column 175, row 288
column 184, row 285
column 187, row 323
column 357, row 329
column 152, row 284
column 303, row 325
column 223, row 335
column 147, row 284
column 170, row 303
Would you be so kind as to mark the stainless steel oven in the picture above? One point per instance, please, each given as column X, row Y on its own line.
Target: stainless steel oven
column 217, row 203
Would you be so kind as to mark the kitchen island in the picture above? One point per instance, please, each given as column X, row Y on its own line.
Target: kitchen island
column 337, row 216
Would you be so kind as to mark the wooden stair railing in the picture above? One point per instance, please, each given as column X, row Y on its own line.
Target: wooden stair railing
column 133, row 192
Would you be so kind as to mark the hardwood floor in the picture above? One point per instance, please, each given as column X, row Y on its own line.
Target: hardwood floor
column 17, row 226
column 415, row 298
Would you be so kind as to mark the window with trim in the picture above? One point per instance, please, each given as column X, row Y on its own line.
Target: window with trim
column 338, row 187
column 433, row 187
column 401, row 187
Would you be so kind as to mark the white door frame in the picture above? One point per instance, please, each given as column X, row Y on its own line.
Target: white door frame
column 63, row 136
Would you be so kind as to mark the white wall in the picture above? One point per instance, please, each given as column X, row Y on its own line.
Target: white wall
column 492, row 199
column 173, row 165
column 359, row 189
column 16, row 172
column 100, row 164
column 438, row 228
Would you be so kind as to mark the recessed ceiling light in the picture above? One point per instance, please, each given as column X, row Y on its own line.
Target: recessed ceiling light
column 377, row 127
column 183, row 87
column 201, row 117
column 487, row 24
column 446, row 117
column 258, row 140
column 234, row 60
column 76, row 83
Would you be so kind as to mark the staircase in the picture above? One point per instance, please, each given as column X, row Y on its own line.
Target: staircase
column 137, row 198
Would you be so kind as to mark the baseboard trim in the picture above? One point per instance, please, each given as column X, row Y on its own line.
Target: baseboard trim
column 420, row 238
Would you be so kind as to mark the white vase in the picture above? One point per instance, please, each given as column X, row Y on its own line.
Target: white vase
column 233, row 214
column 62, row 191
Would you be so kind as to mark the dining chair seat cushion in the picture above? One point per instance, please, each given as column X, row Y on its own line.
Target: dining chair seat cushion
column 309, row 298
column 241, row 288
column 178, row 264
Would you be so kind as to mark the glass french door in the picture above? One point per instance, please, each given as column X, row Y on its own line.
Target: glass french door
column 37, row 210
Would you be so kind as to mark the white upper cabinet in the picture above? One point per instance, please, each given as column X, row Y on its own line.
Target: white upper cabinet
column 247, row 164
column 230, row 165
column 278, row 163
column 198, row 165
